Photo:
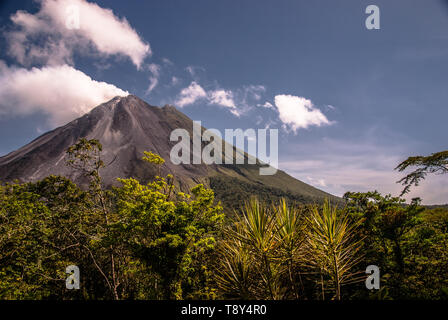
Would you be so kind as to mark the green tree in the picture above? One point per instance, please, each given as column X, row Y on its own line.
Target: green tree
column 85, row 156
column 386, row 223
column 41, row 225
column 435, row 163
column 171, row 233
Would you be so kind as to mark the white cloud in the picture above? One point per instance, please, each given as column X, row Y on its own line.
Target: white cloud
column 45, row 38
column 190, row 95
column 223, row 98
column 154, row 78
column 298, row 112
column 61, row 92
column 266, row 105
column 195, row 92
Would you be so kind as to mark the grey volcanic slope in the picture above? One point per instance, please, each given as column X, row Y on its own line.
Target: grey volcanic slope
column 127, row 126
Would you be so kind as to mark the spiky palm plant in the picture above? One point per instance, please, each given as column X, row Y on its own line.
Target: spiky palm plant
column 235, row 271
column 264, row 252
column 248, row 254
column 258, row 233
column 332, row 247
column 290, row 236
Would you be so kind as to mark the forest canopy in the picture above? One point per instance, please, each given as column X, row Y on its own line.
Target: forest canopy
column 151, row 241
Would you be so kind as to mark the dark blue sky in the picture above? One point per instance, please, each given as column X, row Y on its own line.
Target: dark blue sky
column 383, row 92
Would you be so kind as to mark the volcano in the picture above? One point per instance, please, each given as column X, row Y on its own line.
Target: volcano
column 127, row 126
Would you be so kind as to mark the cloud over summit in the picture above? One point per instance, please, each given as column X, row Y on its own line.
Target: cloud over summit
column 45, row 43
column 62, row 92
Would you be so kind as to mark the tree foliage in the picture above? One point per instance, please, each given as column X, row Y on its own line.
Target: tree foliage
column 435, row 163
column 405, row 241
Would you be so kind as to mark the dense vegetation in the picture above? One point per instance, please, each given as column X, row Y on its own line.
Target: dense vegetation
column 150, row 241
column 234, row 192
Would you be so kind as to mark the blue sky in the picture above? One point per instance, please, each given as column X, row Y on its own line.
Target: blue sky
column 380, row 95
